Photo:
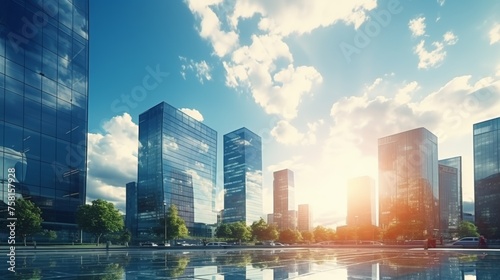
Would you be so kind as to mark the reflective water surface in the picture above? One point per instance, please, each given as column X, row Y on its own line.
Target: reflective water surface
column 313, row 263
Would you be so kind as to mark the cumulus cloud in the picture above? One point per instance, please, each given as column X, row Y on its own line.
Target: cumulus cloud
column 112, row 160
column 434, row 58
column 495, row 34
column 417, row 26
column 265, row 67
column 193, row 113
column 201, row 69
column 287, row 134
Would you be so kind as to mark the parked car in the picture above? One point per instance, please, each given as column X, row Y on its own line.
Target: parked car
column 149, row 244
column 278, row 244
column 217, row 244
column 470, row 241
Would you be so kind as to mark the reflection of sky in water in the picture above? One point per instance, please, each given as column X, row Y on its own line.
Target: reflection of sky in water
column 311, row 263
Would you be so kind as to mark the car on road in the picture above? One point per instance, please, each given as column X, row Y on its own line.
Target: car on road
column 278, row 244
column 149, row 244
column 470, row 241
column 217, row 244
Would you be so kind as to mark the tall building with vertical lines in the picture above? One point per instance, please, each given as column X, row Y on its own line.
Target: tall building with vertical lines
column 450, row 194
column 408, row 183
column 284, row 200
column 242, row 177
column 304, row 219
column 177, row 165
column 487, row 177
column 131, row 208
column 43, row 107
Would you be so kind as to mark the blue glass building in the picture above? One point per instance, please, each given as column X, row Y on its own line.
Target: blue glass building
column 408, row 184
column 487, row 177
column 43, row 107
column 285, row 210
column 177, row 165
column 242, row 177
column 131, row 208
column 450, row 194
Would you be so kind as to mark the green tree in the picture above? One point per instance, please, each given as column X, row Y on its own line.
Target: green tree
column 322, row 233
column 99, row 218
column 290, row 236
column 307, row 236
column 176, row 226
column 29, row 218
column 240, row 231
column 223, row 231
column 466, row 228
column 262, row 231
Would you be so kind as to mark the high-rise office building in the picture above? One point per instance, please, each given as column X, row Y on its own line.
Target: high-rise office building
column 408, row 183
column 284, row 199
column 131, row 208
column 487, row 177
column 304, row 220
column 242, row 177
column 449, row 200
column 361, row 201
column 456, row 162
column 176, row 165
column 43, row 107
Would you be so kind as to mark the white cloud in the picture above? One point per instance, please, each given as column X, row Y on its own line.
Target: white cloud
column 201, row 69
column 441, row 2
column 287, row 134
column 266, row 67
column 434, row 58
column 193, row 113
column 417, row 26
column 112, row 160
column 495, row 34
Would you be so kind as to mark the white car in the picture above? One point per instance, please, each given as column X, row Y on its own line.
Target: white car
column 467, row 242
column 217, row 244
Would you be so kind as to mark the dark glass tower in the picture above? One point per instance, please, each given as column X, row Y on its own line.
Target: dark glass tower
column 449, row 204
column 43, row 106
column 487, row 177
column 131, row 208
column 450, row 194
column 177, row 165
column 242, row 177
column 285, row 213
column 408, row 184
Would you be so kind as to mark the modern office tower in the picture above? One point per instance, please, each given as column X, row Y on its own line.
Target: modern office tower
column 270, row 219
column 304, row 221
column 284, row 199
column 43, row 107
column 176, row 165
column 449, row 200
column 487, row 177
column 131, row 208
column 242, row 177
column 456, row 162
column 408, row 184
column 361, row 202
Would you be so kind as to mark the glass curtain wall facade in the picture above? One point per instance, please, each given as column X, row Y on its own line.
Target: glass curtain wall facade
column 449, row 204
column 361, row 201
column 242, row 177
column 177, row 165
column 43, row 107
column 284, row 199
column 131, row 208
column 456, row 162
column 487, row 177
column 304, row 219
column 408, row 184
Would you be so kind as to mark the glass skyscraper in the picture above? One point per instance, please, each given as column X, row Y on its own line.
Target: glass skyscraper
column 487, row 177
column 449, row 204
column 285, row 213
column 408, row 184
column 242, row 177
column 177, row 165
column 131, row 208
column 450, row 194
column 43, row 106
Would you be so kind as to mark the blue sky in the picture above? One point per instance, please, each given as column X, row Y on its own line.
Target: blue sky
column 320, row 81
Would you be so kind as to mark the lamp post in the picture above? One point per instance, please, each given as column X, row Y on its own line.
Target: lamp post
column 165, row 223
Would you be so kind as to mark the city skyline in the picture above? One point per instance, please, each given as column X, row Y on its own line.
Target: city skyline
column 317, row 94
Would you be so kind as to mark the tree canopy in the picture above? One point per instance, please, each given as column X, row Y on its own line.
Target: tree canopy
column 99, row 218
column 176, row 226
column 263, row 231
column 29, row 218
column 466, row 228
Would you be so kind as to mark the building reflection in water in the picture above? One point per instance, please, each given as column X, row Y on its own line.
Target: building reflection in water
column 260, row 264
